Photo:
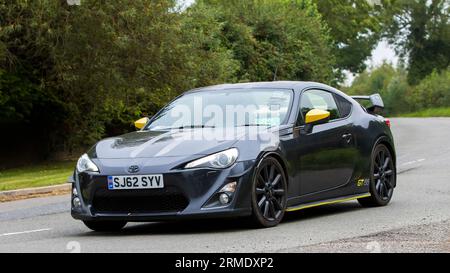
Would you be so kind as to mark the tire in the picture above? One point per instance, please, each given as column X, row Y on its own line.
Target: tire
column 382, row 178
column 105, row 226
column 269, row 190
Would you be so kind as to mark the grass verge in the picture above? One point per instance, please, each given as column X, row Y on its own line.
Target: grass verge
column 39, row 175
column 427, row 113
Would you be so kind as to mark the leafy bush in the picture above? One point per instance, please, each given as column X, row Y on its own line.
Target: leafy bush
column 389, row 82
column 433, row 91
column 399, row 97
column 74, row 74
column 283, row 40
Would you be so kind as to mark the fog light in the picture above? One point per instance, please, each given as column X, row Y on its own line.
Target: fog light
column 76, row 202
column 224, row 198
column 74, row 191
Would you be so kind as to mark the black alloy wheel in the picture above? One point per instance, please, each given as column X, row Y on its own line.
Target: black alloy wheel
column 269, row 193
column 382, row 179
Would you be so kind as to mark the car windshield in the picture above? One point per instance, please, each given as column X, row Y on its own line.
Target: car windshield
column 225, row 108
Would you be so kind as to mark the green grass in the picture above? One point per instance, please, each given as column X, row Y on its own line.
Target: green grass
column 36, row 175
column 432, row 112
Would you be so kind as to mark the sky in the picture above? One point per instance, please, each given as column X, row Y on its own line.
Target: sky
column 382, row 53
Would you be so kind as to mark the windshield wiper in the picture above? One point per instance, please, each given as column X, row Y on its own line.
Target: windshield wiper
column 254, row 125
column 188, row 127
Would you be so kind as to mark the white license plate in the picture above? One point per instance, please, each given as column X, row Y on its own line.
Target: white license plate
column 153, row 181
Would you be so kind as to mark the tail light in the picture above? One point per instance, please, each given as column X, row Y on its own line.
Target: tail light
column 388, row 122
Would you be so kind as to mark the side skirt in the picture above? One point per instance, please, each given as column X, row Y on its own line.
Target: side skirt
column 328, row 202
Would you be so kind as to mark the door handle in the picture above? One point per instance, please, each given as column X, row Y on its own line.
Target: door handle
column 348, row 138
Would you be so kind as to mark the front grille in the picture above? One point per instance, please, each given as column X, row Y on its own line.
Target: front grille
column 139, row 201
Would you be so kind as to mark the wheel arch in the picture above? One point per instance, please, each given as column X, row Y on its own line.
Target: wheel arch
column 280, row 160
column 386, row 142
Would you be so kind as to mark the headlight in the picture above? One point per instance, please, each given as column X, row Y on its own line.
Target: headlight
column 85, row 164
column 220, row 160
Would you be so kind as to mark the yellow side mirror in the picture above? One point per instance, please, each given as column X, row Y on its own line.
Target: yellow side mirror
column 139, row 124
column 317, row 116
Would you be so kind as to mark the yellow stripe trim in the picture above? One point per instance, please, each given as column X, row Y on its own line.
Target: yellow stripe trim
column 328, row 202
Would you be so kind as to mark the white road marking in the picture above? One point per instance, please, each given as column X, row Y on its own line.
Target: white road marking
column 413, row 162
column 25, row 232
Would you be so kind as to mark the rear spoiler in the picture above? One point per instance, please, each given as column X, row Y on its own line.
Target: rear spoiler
column 376, row 104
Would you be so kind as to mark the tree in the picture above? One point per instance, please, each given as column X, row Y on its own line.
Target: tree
column 433, row 91
column 29, row 104
column 213, row 61
column 273, row 40
column 355, row 27
column 139, row 55
column 420, row 30
column 73, row 74
column 389, row 82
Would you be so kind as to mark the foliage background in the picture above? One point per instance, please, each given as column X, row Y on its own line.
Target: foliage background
column 70, row 75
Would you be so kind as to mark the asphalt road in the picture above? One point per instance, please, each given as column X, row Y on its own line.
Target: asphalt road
column 421, row 201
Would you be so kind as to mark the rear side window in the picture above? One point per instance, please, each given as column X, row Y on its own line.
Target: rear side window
column 345, row 107
column 318, row 99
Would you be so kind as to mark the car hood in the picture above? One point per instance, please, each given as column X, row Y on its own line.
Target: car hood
column 174, row 143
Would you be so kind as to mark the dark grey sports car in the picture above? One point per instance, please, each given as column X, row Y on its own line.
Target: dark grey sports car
column 253, row 150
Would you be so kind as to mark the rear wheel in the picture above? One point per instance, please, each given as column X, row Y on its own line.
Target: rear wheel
column 105, row 226
column 269, row 191
column 382, row 181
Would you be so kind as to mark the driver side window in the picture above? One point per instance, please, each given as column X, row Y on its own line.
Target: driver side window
column 317, row 99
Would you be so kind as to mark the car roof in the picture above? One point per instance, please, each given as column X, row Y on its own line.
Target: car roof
column 294, row 85
column 297, row 86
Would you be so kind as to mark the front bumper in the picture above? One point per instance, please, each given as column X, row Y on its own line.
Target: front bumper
column 187, row 194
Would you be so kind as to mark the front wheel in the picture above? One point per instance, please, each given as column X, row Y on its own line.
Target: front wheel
column 105, row 226
column 269, row 189
column 382, row 181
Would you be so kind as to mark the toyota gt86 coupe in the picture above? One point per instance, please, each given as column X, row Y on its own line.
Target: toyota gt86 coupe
column 253, row 150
